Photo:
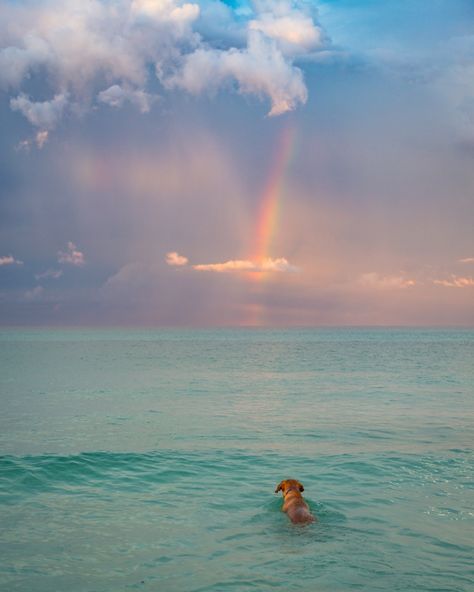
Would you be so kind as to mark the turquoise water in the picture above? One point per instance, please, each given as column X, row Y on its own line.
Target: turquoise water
column 147, row 460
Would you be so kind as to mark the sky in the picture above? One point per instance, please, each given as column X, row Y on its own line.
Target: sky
column 236, row 163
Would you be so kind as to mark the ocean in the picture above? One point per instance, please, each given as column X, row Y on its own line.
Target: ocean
column 147, row 459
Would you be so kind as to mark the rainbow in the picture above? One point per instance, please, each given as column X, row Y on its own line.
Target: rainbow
column 270, row 202
column 267, row 218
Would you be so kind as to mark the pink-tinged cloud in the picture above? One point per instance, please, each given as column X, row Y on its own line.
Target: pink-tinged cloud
column 467, row 260
column 175, row 259
column 237, row 265
column 456, row 282
column 385, row 282
column 9, row 260
column 71, row 256
column 234, row 265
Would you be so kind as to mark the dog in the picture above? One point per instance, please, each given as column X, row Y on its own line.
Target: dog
column 294, row 504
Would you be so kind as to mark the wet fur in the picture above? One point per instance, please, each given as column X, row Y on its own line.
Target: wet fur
column 294, row 504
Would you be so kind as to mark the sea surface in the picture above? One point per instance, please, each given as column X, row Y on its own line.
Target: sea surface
column 147, row 460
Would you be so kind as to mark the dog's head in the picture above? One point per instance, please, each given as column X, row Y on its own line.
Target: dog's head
column 289, row 485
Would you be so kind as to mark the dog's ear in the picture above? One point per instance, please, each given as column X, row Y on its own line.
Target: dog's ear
column 301, row 486
column 279, row 486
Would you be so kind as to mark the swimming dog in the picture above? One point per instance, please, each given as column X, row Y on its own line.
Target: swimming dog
column 294, row 504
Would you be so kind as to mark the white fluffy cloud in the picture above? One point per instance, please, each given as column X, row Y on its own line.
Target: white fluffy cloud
column 106, row 51
column 180, row 14
column 259, row 69
column 78, row 41
column 289, row 24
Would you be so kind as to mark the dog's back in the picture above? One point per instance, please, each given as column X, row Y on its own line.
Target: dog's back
column 294, row 504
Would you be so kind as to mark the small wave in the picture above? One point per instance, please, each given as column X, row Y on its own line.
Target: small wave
column 45, row 471
column 124, row 471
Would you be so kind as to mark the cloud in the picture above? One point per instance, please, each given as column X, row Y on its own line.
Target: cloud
column 236, row 265
column 17, row 61
column 24, row 145
column 44, row 114
column 53, row 274
column 259, row 69
column 71, row 256
column 456, row 282
column 294, row 30
column 79, row 42
column 166, row 11
column 467, row 260
column 385, row 282
column 79, row 47
column 116, row 95
column 39, row 139
column 34, row 294
column 9, row 260
column 174, row 259
column 107, row 51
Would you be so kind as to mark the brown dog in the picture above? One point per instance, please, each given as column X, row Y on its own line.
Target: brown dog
column 294, row 504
